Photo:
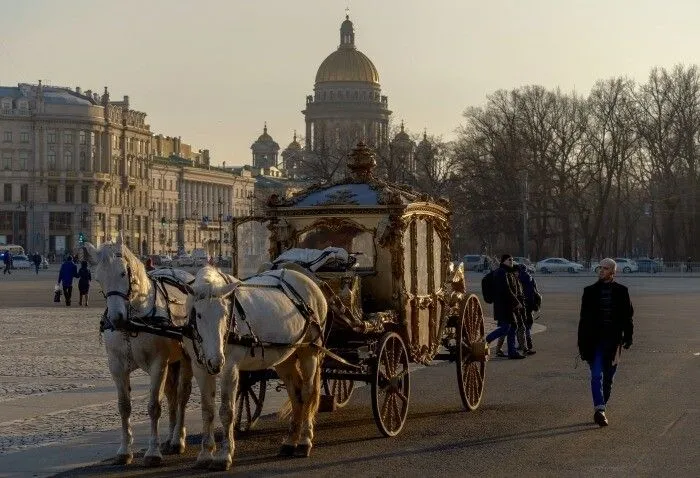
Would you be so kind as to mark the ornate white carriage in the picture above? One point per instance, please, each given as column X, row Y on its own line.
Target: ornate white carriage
column 400, row 300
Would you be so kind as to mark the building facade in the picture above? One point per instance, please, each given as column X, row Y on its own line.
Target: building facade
column 76, row 165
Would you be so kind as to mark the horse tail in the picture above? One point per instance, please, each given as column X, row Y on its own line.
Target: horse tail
column 286, row 410
column 315, row 399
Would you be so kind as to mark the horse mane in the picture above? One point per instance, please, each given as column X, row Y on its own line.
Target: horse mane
column 209, row 282
column 139, row 278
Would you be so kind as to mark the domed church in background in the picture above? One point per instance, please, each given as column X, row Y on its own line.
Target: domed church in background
column 347, row 104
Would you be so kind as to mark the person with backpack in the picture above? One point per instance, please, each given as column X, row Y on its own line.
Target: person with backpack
column 502, row 288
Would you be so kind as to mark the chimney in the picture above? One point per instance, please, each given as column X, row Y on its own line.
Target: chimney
column 88, row 93
column 78, row 90
column 126, row 101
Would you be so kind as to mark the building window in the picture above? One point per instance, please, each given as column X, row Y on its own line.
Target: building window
column 51, row 137
column 7, row 160
column 83, row 161
column 23, row 160
column 51, row 160
column 82, row 137
column 7, row 193
column 23, row 137
column 6, row 107
column 68, row 159
column 84, row 194
column 7, row 136
column 60, row 220
column 70, row 194
column 53, row 193
column 67, row 137
column 24, row 192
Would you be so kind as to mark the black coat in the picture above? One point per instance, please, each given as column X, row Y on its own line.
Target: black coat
column 508, row 295
column 590, row 326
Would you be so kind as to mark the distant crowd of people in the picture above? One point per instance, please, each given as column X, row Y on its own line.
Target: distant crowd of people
column 605, row 323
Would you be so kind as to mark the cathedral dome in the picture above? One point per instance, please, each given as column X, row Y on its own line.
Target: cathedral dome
column 347, row 63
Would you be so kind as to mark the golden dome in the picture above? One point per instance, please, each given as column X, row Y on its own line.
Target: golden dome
column 347, row 63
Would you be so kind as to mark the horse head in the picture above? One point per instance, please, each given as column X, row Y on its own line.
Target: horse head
column 210, row 309
column 118, row 273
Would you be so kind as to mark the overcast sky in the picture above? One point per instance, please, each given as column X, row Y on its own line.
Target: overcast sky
column 212, row 71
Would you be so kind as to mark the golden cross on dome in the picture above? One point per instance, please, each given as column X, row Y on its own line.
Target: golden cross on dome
column 347, row 12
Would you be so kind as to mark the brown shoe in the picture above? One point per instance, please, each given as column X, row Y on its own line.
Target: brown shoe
column 600, row 419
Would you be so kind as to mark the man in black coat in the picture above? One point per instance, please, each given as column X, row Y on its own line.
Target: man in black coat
column 604, row 328
column 507, row 304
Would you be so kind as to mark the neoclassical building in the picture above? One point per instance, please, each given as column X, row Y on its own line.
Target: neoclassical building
column 76, row 164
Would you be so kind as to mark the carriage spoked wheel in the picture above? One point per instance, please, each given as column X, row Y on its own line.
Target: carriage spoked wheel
column 339, row 389
column 249, row 401
column 391, row 385
column 472, row 352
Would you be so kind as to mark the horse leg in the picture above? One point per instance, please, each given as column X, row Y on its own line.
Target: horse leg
column 121, row 380
column 171, row 383
column 178, row 440
column 207, row 386
column 153, row 456
column 229, row 388
column 289, row 374
column 309, row 365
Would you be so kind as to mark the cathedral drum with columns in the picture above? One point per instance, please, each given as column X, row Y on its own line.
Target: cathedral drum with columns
column 396, row 298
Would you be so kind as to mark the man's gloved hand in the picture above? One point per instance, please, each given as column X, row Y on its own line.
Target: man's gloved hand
column 627, row 344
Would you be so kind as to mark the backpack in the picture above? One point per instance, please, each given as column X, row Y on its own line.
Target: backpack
column 537, row 302
column 488, row 287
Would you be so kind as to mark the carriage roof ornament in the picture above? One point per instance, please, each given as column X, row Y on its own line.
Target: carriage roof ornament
column 362, row 162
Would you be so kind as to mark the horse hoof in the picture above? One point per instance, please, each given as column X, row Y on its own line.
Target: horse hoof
column 302, row 451
column 176, row 449
column 152, row 461
column 124, row 459
column 287, row 450
column 203, row 464
column 223, row 465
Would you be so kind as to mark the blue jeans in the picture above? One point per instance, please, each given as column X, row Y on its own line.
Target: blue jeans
column 602, row 374
column 504, row 329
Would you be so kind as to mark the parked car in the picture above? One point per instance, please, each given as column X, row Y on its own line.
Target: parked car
column 183, row 260
column 648, row 265
column 524, row 260
column 474, row 262
column 21, row 262
column 623, row 265
column 557, row 264
column 200, row 257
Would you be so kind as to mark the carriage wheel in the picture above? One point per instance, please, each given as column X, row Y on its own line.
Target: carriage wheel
column 391, row 385
column 339, row 389
column 249, row 401
column 472, row 351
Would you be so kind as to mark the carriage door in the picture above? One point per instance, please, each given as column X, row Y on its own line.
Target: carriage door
column 251, row 246
column 422, row 270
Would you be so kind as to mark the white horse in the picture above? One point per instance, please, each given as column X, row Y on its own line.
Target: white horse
column 275, row 320
column 130, row 294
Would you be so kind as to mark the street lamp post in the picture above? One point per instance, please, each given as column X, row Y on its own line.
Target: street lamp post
column 221, row 206
column 152, row 213
column 195, row 216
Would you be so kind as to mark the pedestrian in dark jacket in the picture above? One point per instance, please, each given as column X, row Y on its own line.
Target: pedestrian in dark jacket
column 84, row 278
column 7, row 260
column 68, row 272
column 531, row 304
column 507, row 304
column 36, row 258
column 604, row 328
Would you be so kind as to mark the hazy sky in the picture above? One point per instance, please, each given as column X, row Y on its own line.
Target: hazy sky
column 212, row 71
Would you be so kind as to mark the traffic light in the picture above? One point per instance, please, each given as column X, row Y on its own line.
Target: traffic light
column 81, row 238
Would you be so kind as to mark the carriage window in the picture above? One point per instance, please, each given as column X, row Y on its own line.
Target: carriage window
column 349, row 237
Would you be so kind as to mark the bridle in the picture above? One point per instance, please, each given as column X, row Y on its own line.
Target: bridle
column 127, row 296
